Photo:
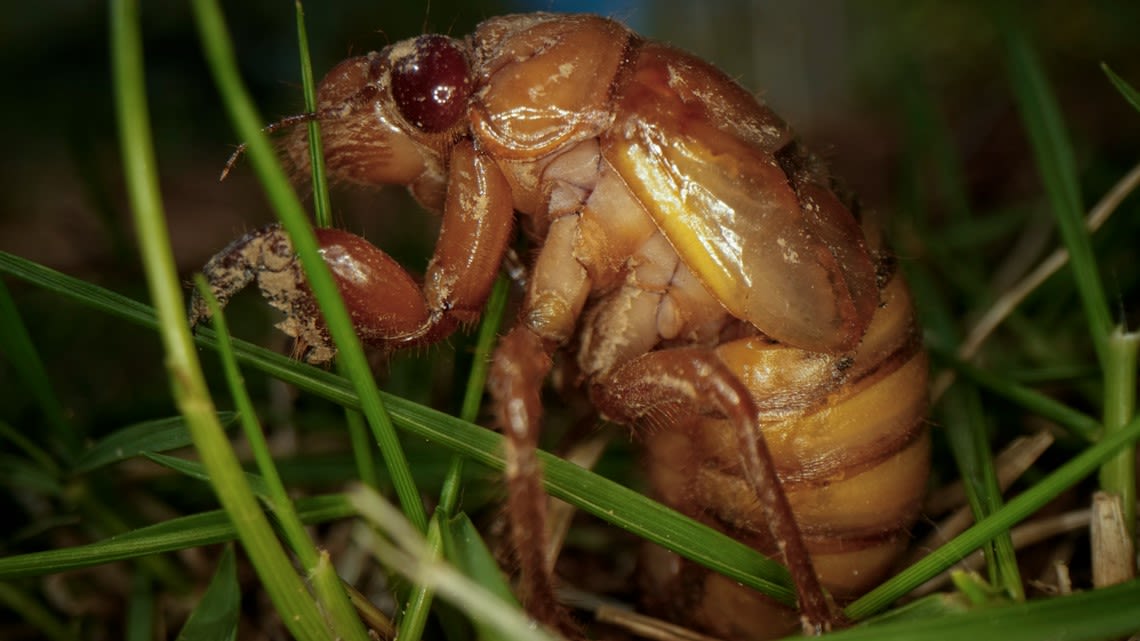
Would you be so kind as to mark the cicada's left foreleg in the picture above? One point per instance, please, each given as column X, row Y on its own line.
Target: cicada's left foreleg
column 389, row 309
column 383, row 300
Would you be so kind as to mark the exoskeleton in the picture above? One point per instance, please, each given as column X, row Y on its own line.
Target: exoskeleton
column 714, row 289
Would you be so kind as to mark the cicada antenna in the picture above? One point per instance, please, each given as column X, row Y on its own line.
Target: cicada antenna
column 288, row 121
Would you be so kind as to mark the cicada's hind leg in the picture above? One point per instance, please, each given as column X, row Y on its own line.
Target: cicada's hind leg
column 664, row 385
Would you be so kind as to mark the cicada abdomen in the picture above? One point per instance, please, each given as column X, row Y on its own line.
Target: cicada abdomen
column 848, row 437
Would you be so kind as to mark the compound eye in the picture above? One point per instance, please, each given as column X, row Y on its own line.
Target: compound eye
column 432, row 83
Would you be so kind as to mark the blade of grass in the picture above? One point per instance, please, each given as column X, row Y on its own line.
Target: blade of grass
column 274, row 490
column 408, row 554
column 220, row 56
column 297, row 610
column 1054, row 156
column 1016, row 510
column 321, row 206
column 33, row 611
column 159, row 435
column 965, row 422
column 419, row 602
column 330, row 595
column 179, row 533
column 216, row 615
column 1004, row 306
column 42, row 459
column 1110, row 613
column 140, row 610
column 1119, row 474
column 466, row 549
column 28, row 476
column 596, row 495
column 968, row 438
column 1058, row 171
column 16, row 343
column 198, row 471
column 476, row 383
column 362, row 455
column 97, row 517
column 1128, row 91
column 357, row 430
column 1075, row 421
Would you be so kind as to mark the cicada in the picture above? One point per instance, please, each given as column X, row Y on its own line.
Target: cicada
column 711, row 285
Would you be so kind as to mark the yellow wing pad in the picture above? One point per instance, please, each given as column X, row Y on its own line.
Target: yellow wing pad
column 794, row 265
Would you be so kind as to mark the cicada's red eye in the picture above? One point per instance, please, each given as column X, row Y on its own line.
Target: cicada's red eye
column 432, row 83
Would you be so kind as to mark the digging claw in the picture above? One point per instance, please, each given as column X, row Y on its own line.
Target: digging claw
column 266, row 256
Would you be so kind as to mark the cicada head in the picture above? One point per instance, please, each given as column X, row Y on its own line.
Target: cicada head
column 390, row 117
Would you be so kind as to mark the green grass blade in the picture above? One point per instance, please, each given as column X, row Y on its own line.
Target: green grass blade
column 357, row 430
column 274, row 490
column 198, row 471
column 968, row 436
column 1109, row 613
column 16, row 344
column 598, row 496
column 326, row 586
column 321, row 207
column 419, row 603
column 140, row 610
column 288, row 594
column 29, row 448
column 158, row 435
column 465, row 548
column 27, row 476
column 1074, row 420
column 179, row 533
column 220, row 55
column 1016, row 510
column 1054, row 156
column 32, row 610
column 215, row 618
column 1119, row 474
column 1128, row 91
column 408, row 554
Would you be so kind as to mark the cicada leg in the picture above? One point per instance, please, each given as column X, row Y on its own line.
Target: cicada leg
column 389, row 308
column 671, row 383
column 521, row 364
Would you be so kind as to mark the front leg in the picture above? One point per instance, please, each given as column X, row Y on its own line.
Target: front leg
column 389, row 310
column 266, row 256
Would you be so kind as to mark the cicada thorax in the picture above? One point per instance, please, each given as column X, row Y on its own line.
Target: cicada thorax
column 848, row 437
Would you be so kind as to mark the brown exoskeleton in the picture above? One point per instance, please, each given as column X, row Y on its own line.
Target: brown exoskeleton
column 694, row 261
